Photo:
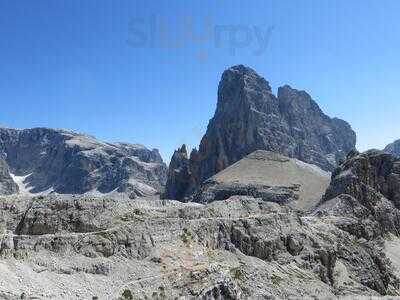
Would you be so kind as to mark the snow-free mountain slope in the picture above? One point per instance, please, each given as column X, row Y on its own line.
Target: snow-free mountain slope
column 271, row 176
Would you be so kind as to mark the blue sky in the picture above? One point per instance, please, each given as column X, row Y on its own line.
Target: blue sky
column 94, row 66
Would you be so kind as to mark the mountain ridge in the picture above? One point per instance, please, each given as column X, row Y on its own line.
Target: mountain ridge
column 70, row 162
column 249, row 117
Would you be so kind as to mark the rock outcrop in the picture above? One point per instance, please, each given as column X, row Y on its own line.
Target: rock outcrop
column 393, row 148
column 239, row 248
column 7, row 184
column 242, row 247
column 70, row 163
column 367, row 176
column 250, row 117
column 269, row 176
column 179, row 175
column 365, row 195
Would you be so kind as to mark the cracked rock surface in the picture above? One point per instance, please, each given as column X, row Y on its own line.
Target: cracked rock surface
column 65, row 247
column 241, row 247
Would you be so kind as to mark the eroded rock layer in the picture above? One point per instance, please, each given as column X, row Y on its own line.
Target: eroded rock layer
column 67, row 247
column 242, row 247
column 269, row 176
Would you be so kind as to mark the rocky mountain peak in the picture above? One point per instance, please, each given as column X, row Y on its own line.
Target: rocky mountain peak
column 393, row 148
column 235, row 84
column 250, row 117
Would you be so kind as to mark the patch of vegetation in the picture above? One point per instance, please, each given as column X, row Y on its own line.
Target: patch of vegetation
column 276, row 280
column 160, row 294
column 137, row 211
column 212, row 212
column 186, row 236
column 238, row 273
column 355, row 242
column 132, row 215
column 126, row 295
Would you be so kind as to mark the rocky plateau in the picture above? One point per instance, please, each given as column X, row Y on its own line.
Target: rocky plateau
column 242, row 247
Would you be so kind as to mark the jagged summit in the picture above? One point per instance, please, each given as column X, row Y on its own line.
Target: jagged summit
column 250, row 117
column 178, row 174
column 238, row 80
column 246, row 75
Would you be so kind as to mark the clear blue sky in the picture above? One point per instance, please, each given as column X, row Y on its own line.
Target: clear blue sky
column 81, row 65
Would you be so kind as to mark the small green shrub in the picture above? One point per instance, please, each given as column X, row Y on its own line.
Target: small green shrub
column 127, row 295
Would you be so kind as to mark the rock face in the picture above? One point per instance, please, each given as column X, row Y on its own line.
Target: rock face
column 365, row 192
column 363, row 200
column 67, row 162
column 7, row 184
column 179, row 176
column 393, row 148
column 269, row 176
column 367, row 176
column 250, row 117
